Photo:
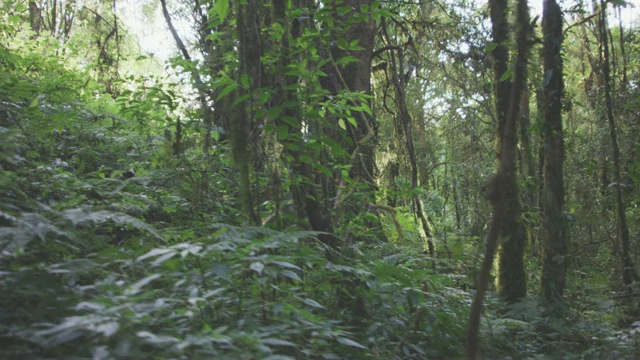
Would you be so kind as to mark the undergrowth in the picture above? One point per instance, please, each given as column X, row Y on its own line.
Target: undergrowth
column 112, row 248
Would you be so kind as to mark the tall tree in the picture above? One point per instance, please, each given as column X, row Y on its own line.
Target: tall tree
column 511, row 275
column 285, row 97
column 348, row 70
column 627, row 264
column 404, row 124
column 554, row 235
column 208, row 108
column 506, row 228
column 250, row 73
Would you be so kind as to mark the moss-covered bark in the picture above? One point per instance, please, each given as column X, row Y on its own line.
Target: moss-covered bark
column 506, row 230
column 511, row 275
column 552, row 200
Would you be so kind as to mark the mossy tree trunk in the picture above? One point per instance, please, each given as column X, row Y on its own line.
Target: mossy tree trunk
column 356, row 27
column 511, row 276
column 248, row 28
column 404, row 124
column 506, row 229
column 305, row 193
column 628, row 273
column 554, row 235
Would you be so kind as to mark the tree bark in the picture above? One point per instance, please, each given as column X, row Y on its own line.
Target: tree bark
column 405, row 124
column 305, row 191
column 35, row 17
column 511, row 275
column 249, row 65
column 207, row 114
column 627, row 264
column 502, row 189
column 355, row 78
column 554, row 234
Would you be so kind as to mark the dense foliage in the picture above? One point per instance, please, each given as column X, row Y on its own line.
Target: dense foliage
column 147, row 215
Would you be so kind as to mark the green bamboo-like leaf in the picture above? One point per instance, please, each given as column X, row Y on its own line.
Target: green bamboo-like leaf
column 227, row 89
column 349, row 342
column 291, row 275
column 81, row 215
column 285, row 265
column 279, row 357
column 312, row 303
column 156, row 339
column 507, row 74
column 135, row 288
column 278, row 342
column 152, row 253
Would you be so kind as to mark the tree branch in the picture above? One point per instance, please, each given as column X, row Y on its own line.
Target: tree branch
column 174, row 32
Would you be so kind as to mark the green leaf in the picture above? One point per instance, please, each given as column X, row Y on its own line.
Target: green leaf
column 363, row 107
column 323, row 169
column 227, row 89
column 283, row 132
column 152, row 253
column 285, row 265
column 163, row 258
column 220, row 10
column 257, row 267
column 293, row 122
column 292, row 146
column 342, row 124
column 291, row 275
column 156, row 339
column 279, row 357
column 79, row 216
column 135, row 288
column 336, row 148
column 313, row 303
column 34, row 102
column 241, row 99
column 245, row 81
column 278, row 342
column 349, row 342
column 507, row 74
column 491, row 46
column 346, row 60
column 305, row 159
column 275, row 111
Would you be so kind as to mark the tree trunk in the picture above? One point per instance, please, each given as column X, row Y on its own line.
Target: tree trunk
column 354, row 78
column 207, row 113
column 627, row 264
column 511, row 275
column 502, row 189
column 527, row 164
column 249, row 65
column 35, row 17
column 405, row 124
column 306, row 197
column 554, row 235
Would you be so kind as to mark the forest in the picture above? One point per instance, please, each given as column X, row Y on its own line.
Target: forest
column 319, row 179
